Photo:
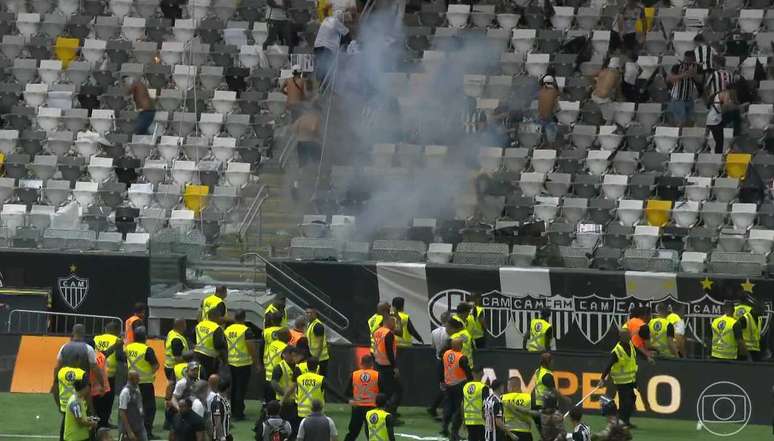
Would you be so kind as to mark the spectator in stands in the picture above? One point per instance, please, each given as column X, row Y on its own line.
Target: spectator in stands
column 631, row 74
column 606, row 88
column 131, row 422
column 683, row 81
column 719, row 79
column 705, row 55
column 548, row 100
column 143, row 104
column 627, row 19
column 280, row 30
column 187, row 425
column 332, row 34
column 723, row 110
column 295, row 89
column 307, row 129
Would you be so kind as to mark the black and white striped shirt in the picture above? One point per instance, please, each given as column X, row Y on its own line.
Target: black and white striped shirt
column 493, row 409
column 581, row 432
column 718, row 81
column 704, row 57
column 683, row 89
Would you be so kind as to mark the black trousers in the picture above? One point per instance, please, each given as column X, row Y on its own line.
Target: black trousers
column 439, row 396
column 389, row 386
column 103, row 405
column 475, row 433
column 356, row 421
column 731, row 117
column 289, row 412
column 453, row 410
column 627, row 399
column 209, row 366
column 280, row 31
column 481, row 342
column 323, row 365
column 240, row 379
column 148, row 405
column 523, row 436
column 61, row 427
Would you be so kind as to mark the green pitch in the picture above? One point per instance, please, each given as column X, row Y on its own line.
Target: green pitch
column 33, row 416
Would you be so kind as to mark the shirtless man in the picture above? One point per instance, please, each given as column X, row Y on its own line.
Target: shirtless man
column 295, row 88
column 143, row 104
column 548, row 96
column 606, row 88
column 307, row 131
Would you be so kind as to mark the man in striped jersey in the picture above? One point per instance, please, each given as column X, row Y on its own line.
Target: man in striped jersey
column 494, row 426
column 683, row 80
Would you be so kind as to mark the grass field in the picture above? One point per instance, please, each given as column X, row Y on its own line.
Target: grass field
column 33, row 416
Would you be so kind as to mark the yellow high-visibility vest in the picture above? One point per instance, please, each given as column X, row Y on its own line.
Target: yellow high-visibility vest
column 180, row 369
column 540, row 388
column 377, row 425
column 473, row 403
column 538, row 329
column 317, row 345
column 659, row 338
column 238, row 355
column 723, row 340
column 208, row 304
column 467, row 344
column 624, row 371
column 205, row 343
column 65, row 378
column 374, row 323
column 473, row 325
column 103, row 343
column 405, row 338
column 135, row 360
column 169, row 357
column 515, row 421
column 272, row 309
column 273, row 356
column 309, row 388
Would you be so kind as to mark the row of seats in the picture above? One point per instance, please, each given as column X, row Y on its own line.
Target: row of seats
column 79, row 240
column 602, row 257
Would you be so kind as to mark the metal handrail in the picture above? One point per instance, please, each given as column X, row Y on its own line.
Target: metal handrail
column 335, row 318
column 41, row 322
column 284, row 155
column 252, row 211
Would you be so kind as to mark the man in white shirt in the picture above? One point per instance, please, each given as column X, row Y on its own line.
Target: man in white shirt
column 440, row 340
column 328, row 41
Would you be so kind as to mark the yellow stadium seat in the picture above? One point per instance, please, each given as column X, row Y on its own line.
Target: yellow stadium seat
column 658, row 212
column 66, row 50
column 195, row 197
column 650, row 13
column 736, row 165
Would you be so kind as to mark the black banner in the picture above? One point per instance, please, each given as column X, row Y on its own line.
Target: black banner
column 587, row 306
column 97, row 284
column 725, row 396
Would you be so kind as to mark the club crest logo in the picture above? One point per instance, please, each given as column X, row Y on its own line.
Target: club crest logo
column 73, row 289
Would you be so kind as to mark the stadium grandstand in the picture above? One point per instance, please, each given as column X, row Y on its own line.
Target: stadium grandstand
column 493, row 220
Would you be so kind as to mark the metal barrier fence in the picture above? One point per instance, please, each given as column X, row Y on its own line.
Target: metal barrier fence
column 29, row 322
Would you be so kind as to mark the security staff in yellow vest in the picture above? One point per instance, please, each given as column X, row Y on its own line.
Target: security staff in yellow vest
column 242, row 359
column 215, row 300
column 308, row 387
column 476, row 325
column 540, row 333
column 752, row 326
column 269, row 334
column 457, row 331
column 175, row 345
column 317, row 340
column 379, row 422
column 278, row 306
column 141, row 358
column 408, row 332
column 376, row 320
column 544, row 382
column 728, row 336
column 456, row 374
column 272, row 356
column 674, row 318
column 283, row 374
column 211, row 345
column 517, row 423
column 622, row 369
column 474, row 392
column 363, row 387
column 112, row 347
column 63, row 389
column 461, row 314
column 662, row 334
column 77, row 423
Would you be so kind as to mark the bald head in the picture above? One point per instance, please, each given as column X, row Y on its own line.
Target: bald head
column 300, row 323
column 133, row 377
column 545, row 359
column 79, row 332
column 213, row 382
column 179, row 325
column 383, row 308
